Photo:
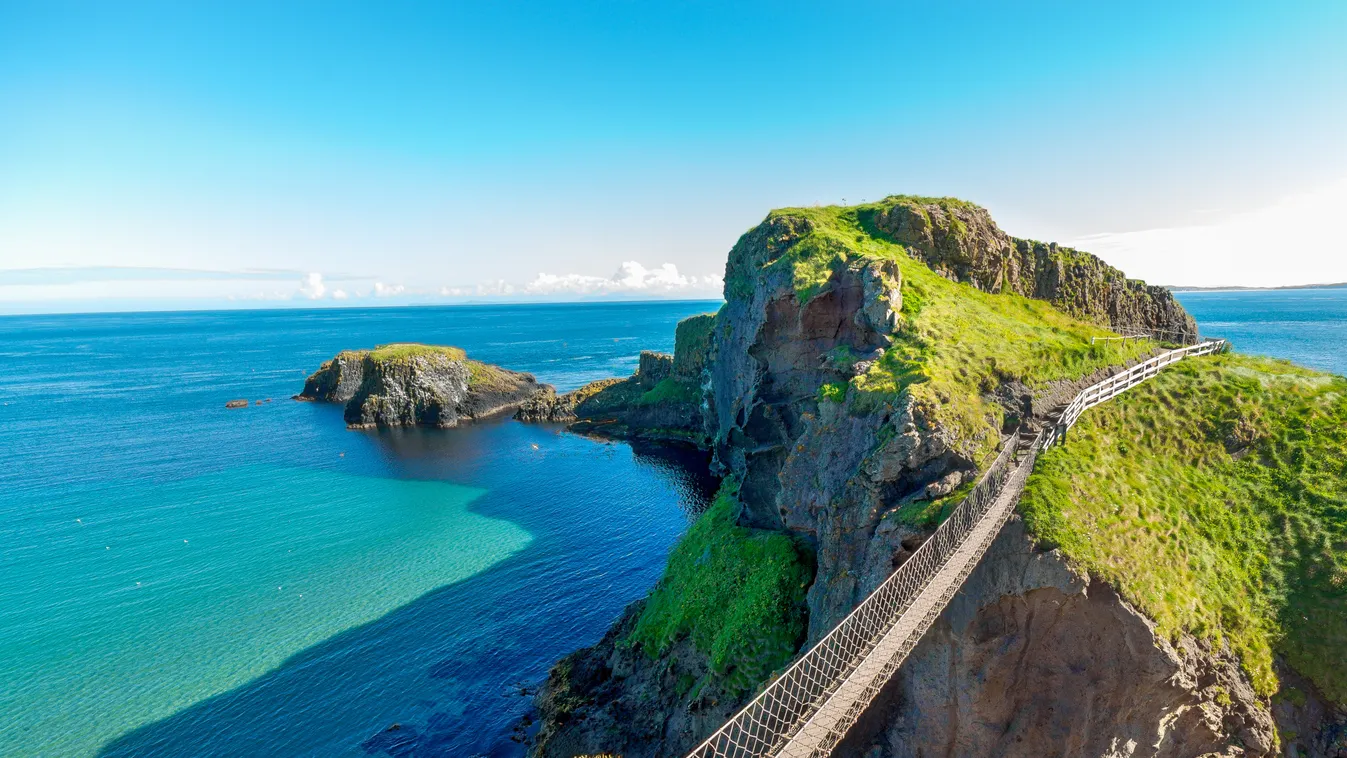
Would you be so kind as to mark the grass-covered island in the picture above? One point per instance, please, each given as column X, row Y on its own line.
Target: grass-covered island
column 1177, row 585
column 410, row 384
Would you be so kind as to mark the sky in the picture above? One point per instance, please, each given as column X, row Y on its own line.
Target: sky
column 242, row 154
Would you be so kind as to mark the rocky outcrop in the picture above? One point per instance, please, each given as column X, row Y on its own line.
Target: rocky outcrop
column 663, row 401
column 418, row 385
column 960, row 241
column 337, row 380
column 612, row 698
column 1031, row 658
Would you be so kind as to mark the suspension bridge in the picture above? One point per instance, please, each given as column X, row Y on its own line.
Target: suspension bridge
column 806, row 711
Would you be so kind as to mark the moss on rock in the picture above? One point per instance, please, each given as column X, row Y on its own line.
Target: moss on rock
column 737, row 593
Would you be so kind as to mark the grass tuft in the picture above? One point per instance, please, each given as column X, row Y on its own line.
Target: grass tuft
column 671, row 390
column 404, row 350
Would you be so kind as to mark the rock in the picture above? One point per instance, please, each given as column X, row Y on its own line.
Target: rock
column 663, row 401
column 653, row 368
column 692, row 347
column 237, row 404
column 1032, row 655
column 337, row 380
column 547, row 406
column 418, row 385
column 881, row 296
column 614, row 699
column 960, row 241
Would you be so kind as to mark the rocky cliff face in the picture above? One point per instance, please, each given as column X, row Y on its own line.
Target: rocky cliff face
column 960, row 240
column 1032, row 658
column 614, row 699
column 417, row 385
column 850, row 410
column 662, row 401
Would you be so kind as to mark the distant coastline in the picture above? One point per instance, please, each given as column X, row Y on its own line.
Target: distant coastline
column 1337, row 285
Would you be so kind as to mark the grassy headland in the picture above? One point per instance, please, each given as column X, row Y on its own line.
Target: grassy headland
column 404, row 350
column 956, row 342
column 1215, row 498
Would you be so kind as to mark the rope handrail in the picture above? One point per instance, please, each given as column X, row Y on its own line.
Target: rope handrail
column 863, row 651
column 780, row 708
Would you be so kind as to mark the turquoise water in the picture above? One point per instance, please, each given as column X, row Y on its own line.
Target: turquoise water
column 181, row 579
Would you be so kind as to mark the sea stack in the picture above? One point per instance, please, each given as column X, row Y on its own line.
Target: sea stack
column 408, row 384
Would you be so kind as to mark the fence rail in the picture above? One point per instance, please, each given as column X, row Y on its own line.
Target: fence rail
column 1122, row 381
column 808, row 709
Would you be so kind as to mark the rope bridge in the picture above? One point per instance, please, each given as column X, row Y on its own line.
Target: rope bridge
column 807, row 710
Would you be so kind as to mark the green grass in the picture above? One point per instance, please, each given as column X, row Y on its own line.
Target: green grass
column 956, row 343
column 737, row 593
column 671, row 390
column 1215, row 498
column 485, row 377
column 832, row 392
column 405, row 350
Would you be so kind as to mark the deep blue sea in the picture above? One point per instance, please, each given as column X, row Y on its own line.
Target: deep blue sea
column 178, row 579
column 1306, row 326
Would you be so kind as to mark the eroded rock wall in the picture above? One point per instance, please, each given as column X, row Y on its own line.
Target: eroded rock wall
column 960, row 241
column 1033, row 659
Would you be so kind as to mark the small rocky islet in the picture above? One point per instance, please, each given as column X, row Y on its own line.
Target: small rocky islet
column 412, row 384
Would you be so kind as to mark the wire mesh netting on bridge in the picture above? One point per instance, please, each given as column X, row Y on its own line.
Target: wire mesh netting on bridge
column 776, row 714
column 808, row 709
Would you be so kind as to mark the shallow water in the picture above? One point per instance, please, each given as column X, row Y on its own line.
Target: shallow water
column 182, row 579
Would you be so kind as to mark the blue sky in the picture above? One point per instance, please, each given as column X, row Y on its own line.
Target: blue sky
column 301, row 152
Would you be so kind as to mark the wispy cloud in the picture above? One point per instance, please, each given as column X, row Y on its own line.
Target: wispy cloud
column 1295, row 241
column 630, row 278
column 83, row 274
column 312, row 287
column 110, row 286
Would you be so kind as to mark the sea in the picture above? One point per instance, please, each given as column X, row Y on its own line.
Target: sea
column 182, row 579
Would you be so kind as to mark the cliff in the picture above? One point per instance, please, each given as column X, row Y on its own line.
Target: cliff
column 417, row 385
column 867, row 364
column 959, row 240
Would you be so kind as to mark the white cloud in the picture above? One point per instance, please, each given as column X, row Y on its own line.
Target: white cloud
column 1294, row 241
column 311, row 286
column 339, row 294
column 388, row 290
column 630, row 277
